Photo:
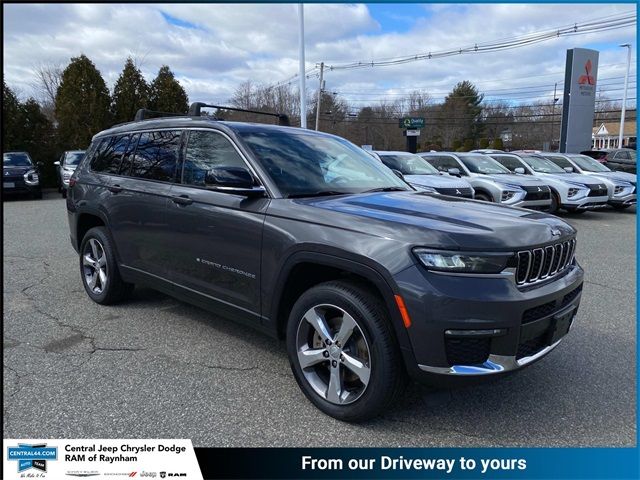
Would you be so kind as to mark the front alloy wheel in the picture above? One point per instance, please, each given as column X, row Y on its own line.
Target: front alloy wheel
column 333, row 354
column 94, row 261
column 343, row 350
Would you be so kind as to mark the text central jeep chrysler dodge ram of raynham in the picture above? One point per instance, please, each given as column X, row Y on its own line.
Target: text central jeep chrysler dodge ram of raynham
column 368, row 281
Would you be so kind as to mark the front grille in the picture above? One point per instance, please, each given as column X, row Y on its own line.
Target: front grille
column 598, row 191
column 467, row 351
column 571, row 296
column 546, row 309
column 532, row 346
column 542, row 263
column 455, row 192
column 537, row 193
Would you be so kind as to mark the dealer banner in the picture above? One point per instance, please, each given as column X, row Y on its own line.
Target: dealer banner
column 109, row 459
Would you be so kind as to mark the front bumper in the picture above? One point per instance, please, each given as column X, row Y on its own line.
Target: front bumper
column 586, row 203
column 17, row 186
column 630, row 199
column 524, row 321
column 533, row 204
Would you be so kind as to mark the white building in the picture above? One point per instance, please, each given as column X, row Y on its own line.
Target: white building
column 607, row 134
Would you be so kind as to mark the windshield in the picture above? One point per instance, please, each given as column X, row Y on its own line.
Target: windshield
column 73, row 158
column 408, row 164
column 542, row 165
column 588, row 164
column 307, row 164
column 483, row 164
column 16, row 160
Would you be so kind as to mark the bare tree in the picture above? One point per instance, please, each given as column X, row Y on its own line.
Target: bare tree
column 45, row 84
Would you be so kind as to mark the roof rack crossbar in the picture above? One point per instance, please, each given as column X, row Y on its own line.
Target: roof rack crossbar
column 143, row 114
column 194, row 111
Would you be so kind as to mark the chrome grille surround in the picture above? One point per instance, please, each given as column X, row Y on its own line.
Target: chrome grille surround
column 540, row 264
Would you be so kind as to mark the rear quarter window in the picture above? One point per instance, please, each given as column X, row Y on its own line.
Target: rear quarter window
column 156, row 155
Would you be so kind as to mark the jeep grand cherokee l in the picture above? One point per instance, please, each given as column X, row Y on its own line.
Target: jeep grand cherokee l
column 367, row 280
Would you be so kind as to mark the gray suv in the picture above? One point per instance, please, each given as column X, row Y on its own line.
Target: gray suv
column 308, row 238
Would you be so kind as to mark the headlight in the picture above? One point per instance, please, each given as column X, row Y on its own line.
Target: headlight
column 424, row 188
column 508, row 195
column 31, row 178
column 573, row 192
column 462, row 262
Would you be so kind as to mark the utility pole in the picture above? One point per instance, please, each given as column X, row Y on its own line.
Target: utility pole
column 320, row 89
column 624, row 95
column 553, row 116
column 303, row 88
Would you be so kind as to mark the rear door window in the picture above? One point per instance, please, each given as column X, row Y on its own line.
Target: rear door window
column 157, row 155
column 108, row 154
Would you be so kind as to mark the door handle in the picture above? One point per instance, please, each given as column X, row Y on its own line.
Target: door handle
column 182, row 200
column 115, row 188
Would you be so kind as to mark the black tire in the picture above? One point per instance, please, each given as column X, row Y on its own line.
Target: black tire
column 387, row 376
column 483, row 196
column 112, row 289
column 555, row 203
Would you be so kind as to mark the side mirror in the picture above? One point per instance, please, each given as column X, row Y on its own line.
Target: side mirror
column 235, row 180
column 398, row 173
column 519, row 170
column 568, row 169
column 454, row 171
column 57, row 164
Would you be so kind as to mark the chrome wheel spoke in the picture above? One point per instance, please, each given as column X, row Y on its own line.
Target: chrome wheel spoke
column 318, row 323
column 346, row 329
column 335, row 386
column 311, row 356
column 94, row 248
column 102, row 275
column 102, row 261
column 87, row 261
column 92, row 280
column 356, row 366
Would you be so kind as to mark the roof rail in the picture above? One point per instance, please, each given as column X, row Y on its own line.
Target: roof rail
column 194, row 111
column 144, row 114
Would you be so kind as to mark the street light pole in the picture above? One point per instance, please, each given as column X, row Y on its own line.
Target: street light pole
column 320, row 88
column 303, row 89
column 624, row 95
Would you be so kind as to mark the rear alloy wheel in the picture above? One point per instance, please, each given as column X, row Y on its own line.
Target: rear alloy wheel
column 482, row 196
column 343, row 352
column 99, row 270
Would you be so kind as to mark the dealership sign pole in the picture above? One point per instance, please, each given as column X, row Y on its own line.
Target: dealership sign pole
column 578, row 104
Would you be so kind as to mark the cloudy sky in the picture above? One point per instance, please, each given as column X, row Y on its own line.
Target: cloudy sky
column 214, row 47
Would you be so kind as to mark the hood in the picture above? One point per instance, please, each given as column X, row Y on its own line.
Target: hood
column 573, row 178
column 522, row 180
column 434, row 221
column 436, row 181
column 623, row 176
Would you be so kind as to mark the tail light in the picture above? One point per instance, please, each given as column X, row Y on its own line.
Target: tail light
column 72, row 182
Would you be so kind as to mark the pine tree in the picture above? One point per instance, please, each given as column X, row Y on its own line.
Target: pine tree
column 167, row 95
column 10, row 119
column 464, row 110
column 37, row 138
column 82, row 104
column 130, row 93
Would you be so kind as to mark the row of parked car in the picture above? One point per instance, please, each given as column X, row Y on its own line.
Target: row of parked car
column 21, row 175
column 529, row 179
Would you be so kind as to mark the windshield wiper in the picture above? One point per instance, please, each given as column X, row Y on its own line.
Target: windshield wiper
column 321, row 193
column 386, row 189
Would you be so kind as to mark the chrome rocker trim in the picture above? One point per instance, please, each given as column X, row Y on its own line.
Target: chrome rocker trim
column 494, row 364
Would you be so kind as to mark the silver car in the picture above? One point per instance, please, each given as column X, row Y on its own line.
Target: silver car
column 571, row 191
column 65, row 167
column 491, row 181
column 422, row 175
column 622, row 185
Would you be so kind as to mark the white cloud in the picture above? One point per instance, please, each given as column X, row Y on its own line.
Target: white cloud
column 235, row 42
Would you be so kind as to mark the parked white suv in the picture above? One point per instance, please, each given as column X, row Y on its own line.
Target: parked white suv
column 491, row 181
column 622, row 184
column 570, row 191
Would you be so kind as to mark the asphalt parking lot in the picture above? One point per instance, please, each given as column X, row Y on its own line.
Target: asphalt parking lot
column 158, row 368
